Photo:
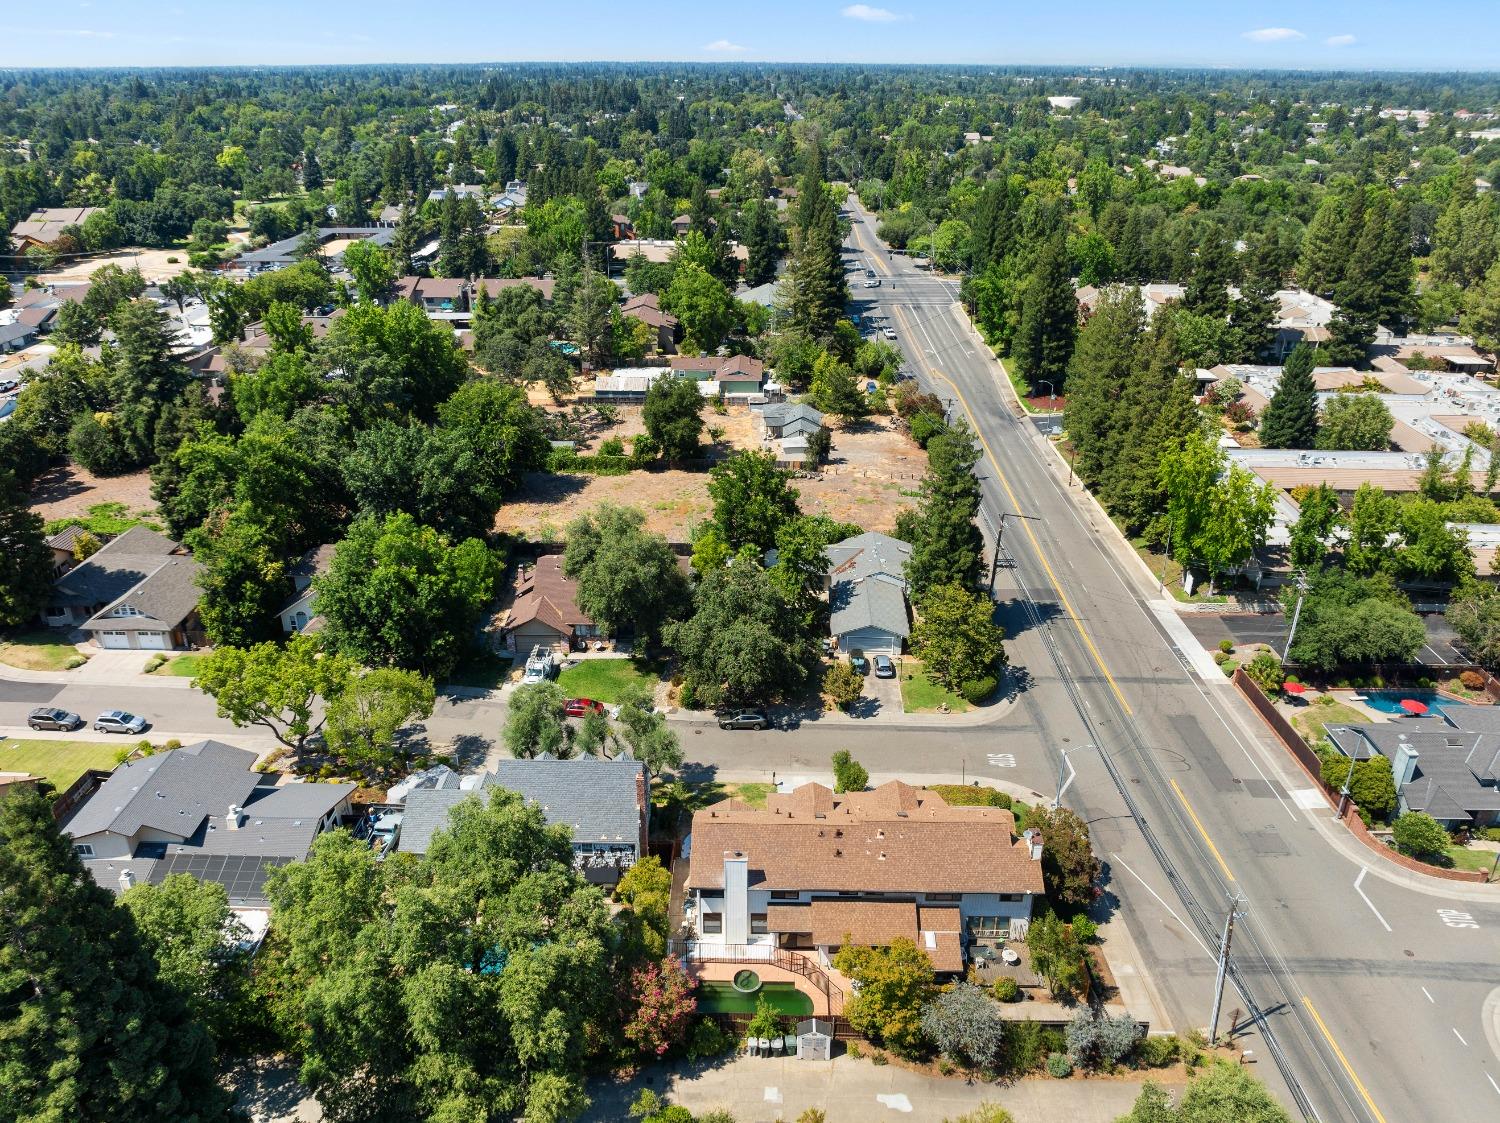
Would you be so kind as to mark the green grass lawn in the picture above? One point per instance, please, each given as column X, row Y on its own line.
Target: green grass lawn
column 39, row 650
column 1465, row 859
column 1310, row 721
column 60, row 762
column 605, row 680
column 184, row 666
column 920, row 695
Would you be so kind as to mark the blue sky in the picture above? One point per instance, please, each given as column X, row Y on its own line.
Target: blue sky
column 1315, row 34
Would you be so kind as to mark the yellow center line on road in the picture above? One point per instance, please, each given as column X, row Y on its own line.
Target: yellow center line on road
column 1193, row 815
column 1026, row 526
column 1343, row 1060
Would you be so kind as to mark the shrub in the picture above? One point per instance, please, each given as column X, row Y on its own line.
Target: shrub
column 854, row 1051
column 977, row 690
column 1157, row 1052
column 1221, row 657
column 965, row 1027
column 924, row 426
column 1085, row 929
column 878, row 1058
column 706, row 1039
column 74, row 662
column 1291, row 678
column 1419, row 834
column 173, row 260
column 1226, row 646
column 812, row 1115
column 848, row 774
column 1059, row 1065
column 1098, row 1041
column 687, row 697
column 1471, row 680
column 614, row 446
column 1006, row 990
column 1265, row 671
column 971, row 795
column 945, row 1066
column 172, row 743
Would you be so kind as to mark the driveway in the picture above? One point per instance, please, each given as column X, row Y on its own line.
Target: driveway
column 882, row 698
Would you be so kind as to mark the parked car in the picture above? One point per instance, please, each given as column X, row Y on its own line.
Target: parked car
column 884, row 668
column 889, row 333
column 872, row 283
column 577, row 707
column 8, row 384
column 50, row 717
column 858, row 661
column 744, row 719
column 118, row 721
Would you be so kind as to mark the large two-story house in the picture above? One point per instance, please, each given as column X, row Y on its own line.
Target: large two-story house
column 139, row 591
column 815, row 870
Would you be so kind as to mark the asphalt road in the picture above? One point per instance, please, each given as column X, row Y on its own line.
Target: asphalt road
column 1374, row 997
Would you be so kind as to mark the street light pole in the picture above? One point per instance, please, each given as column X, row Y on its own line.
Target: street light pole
column 1051, row 391
column 1345, row 793
column 1301, row 579
column 1161, row 585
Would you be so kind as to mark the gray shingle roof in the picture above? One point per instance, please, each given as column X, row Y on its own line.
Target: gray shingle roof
column 780, row 414
column 596, row 798
column 1457, row 765
column 167, row 595
column 121, row 565
column 171, row 791
column 66, row 538
column 867, row 584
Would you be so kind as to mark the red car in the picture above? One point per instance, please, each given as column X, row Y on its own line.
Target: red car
column 577, row 707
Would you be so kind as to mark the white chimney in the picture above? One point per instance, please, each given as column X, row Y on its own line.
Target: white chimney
column 736, row 897
column 235, row 818
column 1033, row 839
column 1404, row 764
column 127, row 879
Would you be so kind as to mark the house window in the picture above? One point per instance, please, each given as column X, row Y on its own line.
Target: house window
column 1010, row 898
column 56, row 611
column 126, row 610
column 943, row 896
column 989, row 926
column 758, row 924
column 785, row 894
column 84, row 849
column 713, row 923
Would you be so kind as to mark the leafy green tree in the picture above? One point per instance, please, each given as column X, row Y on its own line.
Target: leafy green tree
column 440, row 477
column 89, row 1030
column 365, row 718
column 894, row 984
column 1153, row 1105
column 1049, row 319
column 848, row 774
column 628, row 580
column 966, row 1027
column 1481, row 311
column 1218, row 516
column 1352, row 621
column 193, row 935
column 1058, row 955
column 702, row 304
column 946, row 546
column 802, row 560
column 646, row 734
column 392, row 361
column 956, row 636
column 534, row 720
column 275, row 687
column 1355, row 421
column 1373, row 518
column 1318, row 516
column 1431, row 550
column 1226, row 1091
column 244, row 579
column 1291, row 419
column 836, row 388
column 1069, row 866
column 646, row 888
column 752, row 498
column 741, row 645
column 500, row 424
column 372, row 269
column 400, row 594
column 673, row 416
column 842, row 684
column 27, row 560
column 1474, row 613
column 1420, row 835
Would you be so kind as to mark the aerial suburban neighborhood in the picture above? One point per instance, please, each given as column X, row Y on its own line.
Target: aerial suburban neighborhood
column 903, row 564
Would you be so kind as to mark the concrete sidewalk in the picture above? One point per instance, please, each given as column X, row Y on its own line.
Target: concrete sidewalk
column 757, row 1090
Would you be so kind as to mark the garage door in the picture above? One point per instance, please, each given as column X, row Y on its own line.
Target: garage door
column 152, row 641
column 114, row 639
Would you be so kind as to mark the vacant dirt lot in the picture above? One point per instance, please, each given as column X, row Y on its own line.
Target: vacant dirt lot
column 153, row 265
column 870, row 468
column 69, row 490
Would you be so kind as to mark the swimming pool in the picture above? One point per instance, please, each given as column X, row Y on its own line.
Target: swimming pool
column 1389, row 701
column 723, row 998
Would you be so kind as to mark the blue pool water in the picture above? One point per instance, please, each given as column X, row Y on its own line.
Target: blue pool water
column 1389, row 701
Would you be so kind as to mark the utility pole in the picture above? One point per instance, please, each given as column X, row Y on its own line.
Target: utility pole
column 1213, row 1021
column 1161, row 585
column 1301, row 580
column 999, row 536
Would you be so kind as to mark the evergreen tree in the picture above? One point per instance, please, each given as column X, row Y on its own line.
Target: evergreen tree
column 1325, row 253
column 1291, row 418
column 312, row 172
column 450, row 260
column 763, row 238
column 87, row 1029
column 1049, row 319
column 817, row 289
column 946, row 545
column 1207, row 293
column 1254, row 314
column 1098, row 375
column 27, row 560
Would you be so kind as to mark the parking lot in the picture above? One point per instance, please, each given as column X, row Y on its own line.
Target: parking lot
column 1270, row 628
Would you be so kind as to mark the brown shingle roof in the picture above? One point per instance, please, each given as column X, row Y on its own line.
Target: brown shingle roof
column 493, row 285
column 544, row 594
column 895, row 839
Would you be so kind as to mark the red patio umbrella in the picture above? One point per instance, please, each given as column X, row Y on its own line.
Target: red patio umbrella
column 1294, row 687
column 1413, row 707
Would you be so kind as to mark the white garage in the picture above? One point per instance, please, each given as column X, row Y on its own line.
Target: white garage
column 114, row 639
column 152, row 641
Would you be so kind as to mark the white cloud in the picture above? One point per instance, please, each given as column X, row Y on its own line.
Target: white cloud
column 724, row 46
column 870, row 15
column 83, row 33
column 1273, row 35
column 1341, row 40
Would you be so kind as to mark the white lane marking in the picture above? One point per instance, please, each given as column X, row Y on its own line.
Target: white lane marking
column 896, row 1101
column 1309, row 799
column 1163, row 904
column 1367, row 900
column 1002, row 760
column 773, row 1095
column 1459, row 1036
column 1429, row 996
column 1491, row 1079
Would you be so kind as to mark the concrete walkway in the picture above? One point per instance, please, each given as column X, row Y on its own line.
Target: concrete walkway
column 759, row 1090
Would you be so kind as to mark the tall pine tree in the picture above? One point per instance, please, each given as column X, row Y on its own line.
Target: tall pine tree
column 817, row 290
column 27, row 562
column 1097, row 379
column 87, row 1030
column 1049, row 319
column 1291, row 418
column 946, row 545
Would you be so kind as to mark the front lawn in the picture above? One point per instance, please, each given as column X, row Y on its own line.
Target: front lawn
column 605, row 680
column 184, row 666
column 40, row 650
column 920, row 695
column 1462, row 858
column 59, row 762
